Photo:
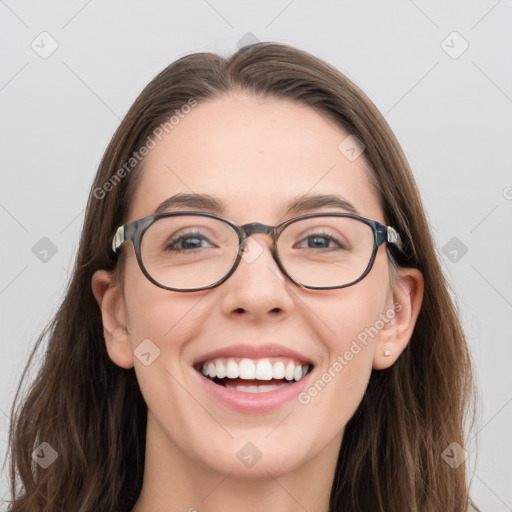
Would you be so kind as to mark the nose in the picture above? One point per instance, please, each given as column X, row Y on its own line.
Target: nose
column 258, row 287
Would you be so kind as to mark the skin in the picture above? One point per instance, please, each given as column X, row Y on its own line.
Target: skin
column 256, row 154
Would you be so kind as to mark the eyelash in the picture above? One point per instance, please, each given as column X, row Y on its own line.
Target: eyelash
column 325, row 235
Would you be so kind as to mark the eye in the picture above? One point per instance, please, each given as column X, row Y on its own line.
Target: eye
column 188, row 241
column 321, row 240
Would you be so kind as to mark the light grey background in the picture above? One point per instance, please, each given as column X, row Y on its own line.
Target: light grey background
column 451, row 115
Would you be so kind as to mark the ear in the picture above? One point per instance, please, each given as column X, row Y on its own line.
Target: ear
column 401, row 316
column 110, row 299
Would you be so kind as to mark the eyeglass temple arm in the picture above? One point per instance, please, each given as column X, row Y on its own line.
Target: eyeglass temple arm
column 119, row 238
column 124, row 234
column 393, row 237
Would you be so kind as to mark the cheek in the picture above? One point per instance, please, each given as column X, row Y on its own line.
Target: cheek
column 340, row 383
column 166, row 318
column 160, row 325
column 348, row 322
column 349, row 317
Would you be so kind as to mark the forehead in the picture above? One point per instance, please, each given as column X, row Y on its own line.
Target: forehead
column 256, row 154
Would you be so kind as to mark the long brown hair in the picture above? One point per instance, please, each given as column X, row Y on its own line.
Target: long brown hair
column 92, row 413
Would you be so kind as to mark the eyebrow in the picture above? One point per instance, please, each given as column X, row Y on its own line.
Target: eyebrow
column 296, row 206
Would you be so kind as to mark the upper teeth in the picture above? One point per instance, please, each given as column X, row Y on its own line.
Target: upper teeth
column 259, row 369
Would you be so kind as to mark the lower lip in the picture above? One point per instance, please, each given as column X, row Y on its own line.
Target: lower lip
column 242, row 402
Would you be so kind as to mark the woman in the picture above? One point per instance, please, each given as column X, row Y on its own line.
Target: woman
column 257, row 319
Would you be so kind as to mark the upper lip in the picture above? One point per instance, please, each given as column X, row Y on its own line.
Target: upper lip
column 259, row 351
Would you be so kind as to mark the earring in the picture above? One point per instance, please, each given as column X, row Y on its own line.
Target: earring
column 387, row 353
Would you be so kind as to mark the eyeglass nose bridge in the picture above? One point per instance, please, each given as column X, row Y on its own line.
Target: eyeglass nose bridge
column 256, row 227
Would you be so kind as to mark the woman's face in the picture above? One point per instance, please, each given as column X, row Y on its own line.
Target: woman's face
column 256, row 156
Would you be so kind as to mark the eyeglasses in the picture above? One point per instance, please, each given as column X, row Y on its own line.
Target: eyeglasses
column 192, row 251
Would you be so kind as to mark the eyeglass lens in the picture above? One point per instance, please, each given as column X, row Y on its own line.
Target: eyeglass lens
column 191, row 251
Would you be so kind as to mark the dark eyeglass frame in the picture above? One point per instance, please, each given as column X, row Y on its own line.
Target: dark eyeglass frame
column 134, row 232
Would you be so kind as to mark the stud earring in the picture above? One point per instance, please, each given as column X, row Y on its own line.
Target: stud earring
column 387, row 353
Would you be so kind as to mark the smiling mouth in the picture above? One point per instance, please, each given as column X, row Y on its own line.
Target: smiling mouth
column 253, row 375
